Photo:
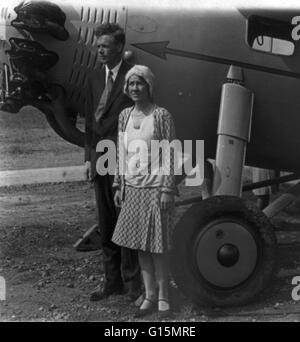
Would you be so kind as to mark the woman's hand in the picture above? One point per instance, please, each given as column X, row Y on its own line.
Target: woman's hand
column 166, row 200
column 117, row 199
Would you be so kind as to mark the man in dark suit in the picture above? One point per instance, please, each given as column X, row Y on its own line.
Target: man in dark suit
column 105, row 101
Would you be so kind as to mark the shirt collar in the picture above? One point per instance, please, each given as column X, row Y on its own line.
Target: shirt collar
column 114, row 71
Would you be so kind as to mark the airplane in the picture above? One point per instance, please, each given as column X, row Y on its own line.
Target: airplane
column 229, row 77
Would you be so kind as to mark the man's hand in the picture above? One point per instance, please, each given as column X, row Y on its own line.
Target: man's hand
column 88, row 170
column 166, row 200
column 117, row 199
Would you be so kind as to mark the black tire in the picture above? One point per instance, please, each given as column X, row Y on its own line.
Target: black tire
column 193, row 229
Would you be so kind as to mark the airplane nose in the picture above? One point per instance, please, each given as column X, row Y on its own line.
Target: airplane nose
column 25, row 61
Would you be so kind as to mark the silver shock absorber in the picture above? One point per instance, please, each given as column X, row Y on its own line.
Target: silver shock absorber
column 233, row 134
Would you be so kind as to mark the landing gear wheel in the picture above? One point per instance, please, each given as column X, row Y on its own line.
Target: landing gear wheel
column 224, row 252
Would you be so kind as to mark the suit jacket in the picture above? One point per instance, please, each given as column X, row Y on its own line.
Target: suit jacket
column 107, row 126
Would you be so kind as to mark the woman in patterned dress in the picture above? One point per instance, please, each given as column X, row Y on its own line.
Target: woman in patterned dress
column 146, row 197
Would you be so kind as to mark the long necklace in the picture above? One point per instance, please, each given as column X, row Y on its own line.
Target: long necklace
column 138, row 117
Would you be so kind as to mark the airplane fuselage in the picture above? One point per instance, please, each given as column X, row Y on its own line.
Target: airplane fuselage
column 190, row 52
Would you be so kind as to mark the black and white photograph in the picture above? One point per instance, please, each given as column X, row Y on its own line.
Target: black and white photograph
column 148, row 163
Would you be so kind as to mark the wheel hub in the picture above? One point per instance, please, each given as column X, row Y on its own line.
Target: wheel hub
column 226, row 253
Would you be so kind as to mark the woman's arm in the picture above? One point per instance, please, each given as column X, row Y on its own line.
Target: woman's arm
column 167, row 128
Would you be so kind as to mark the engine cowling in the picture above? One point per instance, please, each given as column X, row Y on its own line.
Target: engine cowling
column 32, row 56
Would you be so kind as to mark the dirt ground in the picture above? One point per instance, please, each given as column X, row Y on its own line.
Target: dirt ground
column 47, row 280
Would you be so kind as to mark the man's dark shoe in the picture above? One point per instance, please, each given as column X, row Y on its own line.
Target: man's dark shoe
column 100, row 295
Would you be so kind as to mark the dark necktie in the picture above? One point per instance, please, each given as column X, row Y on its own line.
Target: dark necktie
column 105, row 96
